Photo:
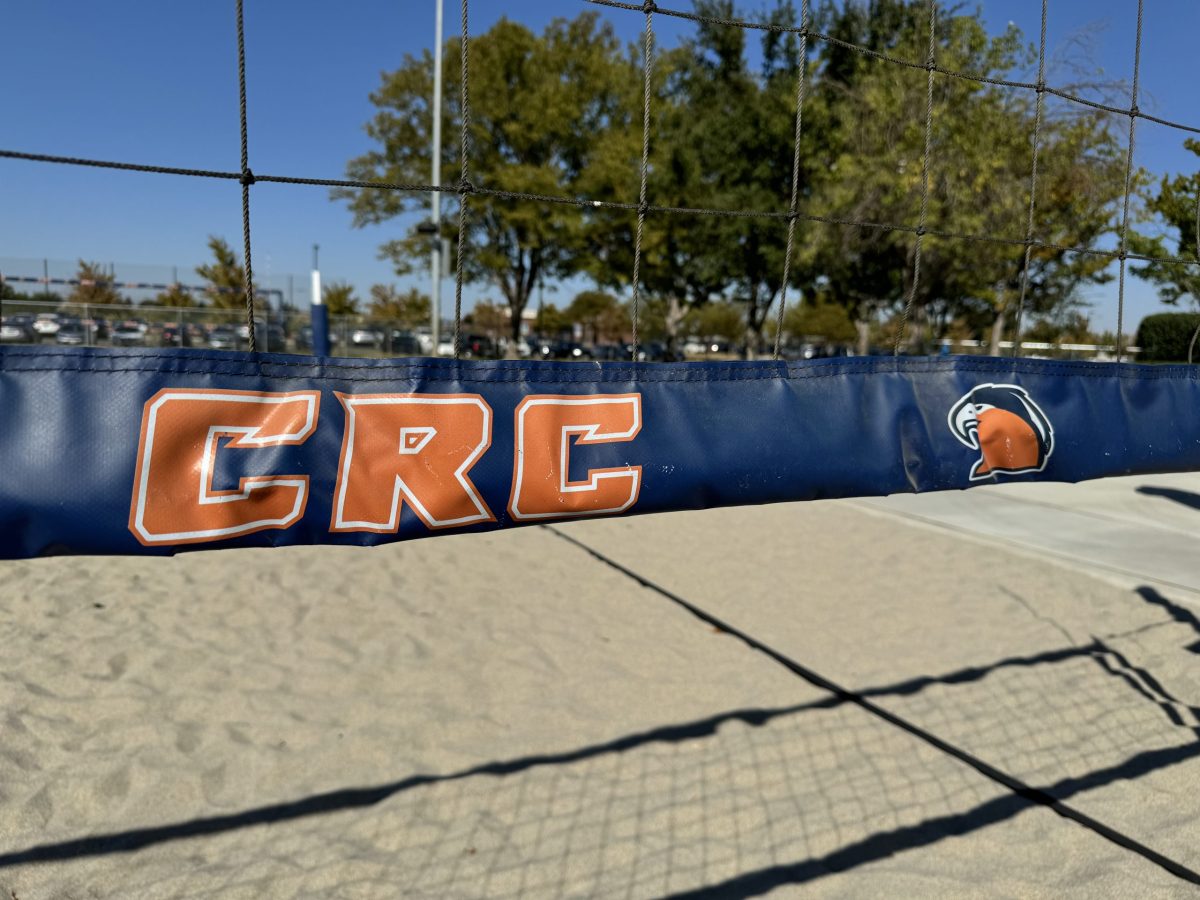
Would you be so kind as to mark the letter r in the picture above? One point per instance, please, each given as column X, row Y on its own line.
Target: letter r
column 415, row 448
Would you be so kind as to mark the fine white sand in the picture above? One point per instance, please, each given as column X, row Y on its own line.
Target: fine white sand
column 506, row 716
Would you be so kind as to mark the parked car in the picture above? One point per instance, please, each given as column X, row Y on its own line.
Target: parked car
column 224, row 338
column 129, row 333
column 71, row 332
column 610, row 353
column 366, row 337
column 186, row 335
column 17, row 329
column 478, row 346
column 303, row 338
column 271, row 338
column 46, row 324
column 98, row 326
column 561, row 350
column 695, row 346
column 404, row 343
column 653, row 351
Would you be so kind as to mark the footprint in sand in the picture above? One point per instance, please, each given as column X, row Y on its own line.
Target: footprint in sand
column 118, row 665
column 188, row 738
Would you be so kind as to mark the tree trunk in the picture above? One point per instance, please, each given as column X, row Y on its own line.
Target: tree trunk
column 753, row 325
column 998, row 326
column 514, row 321
column 917, row 326
column 862, row 328
column 674, row 318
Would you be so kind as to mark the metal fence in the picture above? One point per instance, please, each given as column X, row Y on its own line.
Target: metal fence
column 139, row 283
column 52, row 320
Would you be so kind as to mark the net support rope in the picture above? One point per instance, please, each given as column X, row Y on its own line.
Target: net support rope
column 1196, row 333
column 246, row 177
column 930, row 63
column 644, row 174
column 1033, row 179
column 415, row 187
column 793, row 205
column 1123, row 257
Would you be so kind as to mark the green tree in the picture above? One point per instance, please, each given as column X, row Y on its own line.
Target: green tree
column 8, row 292
column 722, row 138
column 601, row 315
column 542, row 107
column 820, row 319
column 226, row 276
column 552, row 321
column 981, row 187
column 717, row 319
column 409, row 310
column 1176, row 206
column 339, row 299
column 490, row 319
column 175, row 295
column 95, row 287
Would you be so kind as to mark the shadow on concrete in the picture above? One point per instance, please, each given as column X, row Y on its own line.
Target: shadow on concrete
column 1187, row 498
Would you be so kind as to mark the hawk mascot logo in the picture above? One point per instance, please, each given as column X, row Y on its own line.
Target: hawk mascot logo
column 1009, row 430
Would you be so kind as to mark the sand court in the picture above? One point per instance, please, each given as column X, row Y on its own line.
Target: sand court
column 507, row 715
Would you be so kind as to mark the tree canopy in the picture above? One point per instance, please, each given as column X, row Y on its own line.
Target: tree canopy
column 560, row 113
column 339, row 298
column 542, row 106
column 95, row 286
column 226, row 276
column 409, row 310
column 1177, row 203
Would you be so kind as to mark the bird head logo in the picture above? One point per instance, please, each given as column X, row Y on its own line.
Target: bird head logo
column 1010, row 431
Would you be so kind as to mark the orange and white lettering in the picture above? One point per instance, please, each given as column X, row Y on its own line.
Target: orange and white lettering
column 416, row 446
column 173, row 497
column 545, row 427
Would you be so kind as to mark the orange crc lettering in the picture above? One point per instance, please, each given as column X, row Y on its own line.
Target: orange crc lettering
column 173, row 497
column 416, row 446
column 545, row 427
column 415, row 449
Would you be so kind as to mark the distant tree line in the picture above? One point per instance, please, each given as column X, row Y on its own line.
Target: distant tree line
column 224, row 280
column 560, row 113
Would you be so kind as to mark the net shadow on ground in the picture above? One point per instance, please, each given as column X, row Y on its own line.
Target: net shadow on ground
column 734, row 804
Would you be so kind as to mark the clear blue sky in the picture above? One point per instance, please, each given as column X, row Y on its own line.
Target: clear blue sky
column 156, row 82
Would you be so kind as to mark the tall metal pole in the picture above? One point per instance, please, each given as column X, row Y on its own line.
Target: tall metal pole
column 435, row 216
column 320, row 315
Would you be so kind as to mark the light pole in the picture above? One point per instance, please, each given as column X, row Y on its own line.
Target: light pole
column 435, row 217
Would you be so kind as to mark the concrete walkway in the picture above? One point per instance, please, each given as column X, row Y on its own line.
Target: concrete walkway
column 1136, row 530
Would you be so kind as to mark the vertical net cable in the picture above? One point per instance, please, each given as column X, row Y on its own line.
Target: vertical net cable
column 930, row 68
column 792, row 207
column 1123, row 256
column 647, row 72
column 464, row 183
column 1196, row 333
column 1033, row 180
column 247, row 179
